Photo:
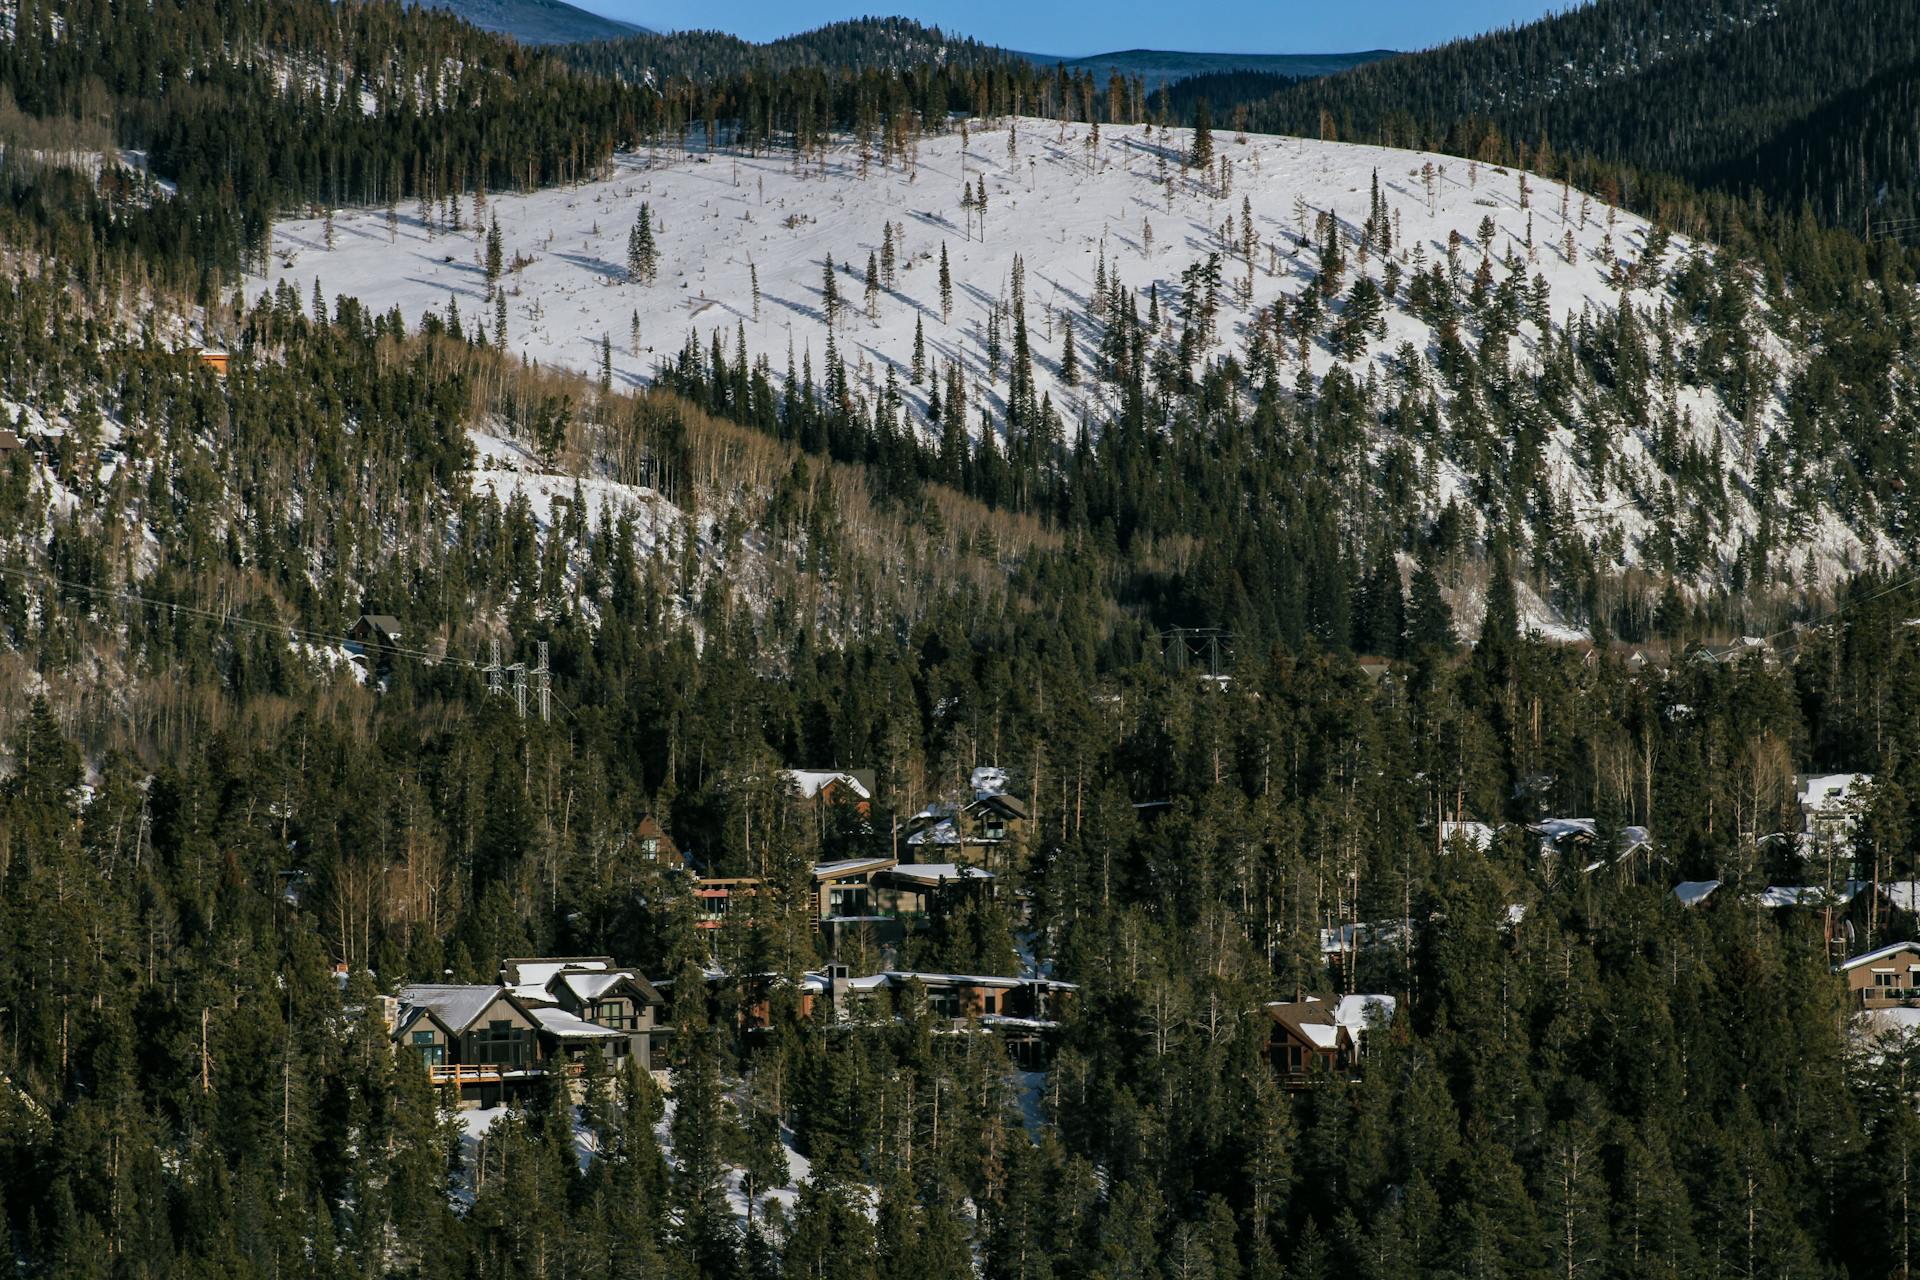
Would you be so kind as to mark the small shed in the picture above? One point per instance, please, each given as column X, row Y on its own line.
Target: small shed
column 215, row 360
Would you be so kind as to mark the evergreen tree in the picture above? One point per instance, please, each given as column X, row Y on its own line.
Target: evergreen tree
column 1200, row 156
column 946, row 288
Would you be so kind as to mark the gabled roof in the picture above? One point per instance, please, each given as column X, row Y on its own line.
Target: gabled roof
column 559, row 1022
column 810, row 782
column 455, row 1006
column 1883, row 953
column 1311, row 1022
column 412, row 1015
column 529, row 976
column 1692, row 893
column 589, row 986
column 385, row 623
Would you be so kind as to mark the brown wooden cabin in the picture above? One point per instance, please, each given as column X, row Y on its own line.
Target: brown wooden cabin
column 1319, row 1037
column 1886, row 978
column 657, row 846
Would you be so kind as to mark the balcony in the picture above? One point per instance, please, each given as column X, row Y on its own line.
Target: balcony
column 475, row 1073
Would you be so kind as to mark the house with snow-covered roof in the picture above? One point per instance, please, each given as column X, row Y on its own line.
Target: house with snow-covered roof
column 1316, row 1034
column 828, row 787
column 1691, row 893
column 984, row 829
column 1885, row 978
column 1829, row 804
column 492, row 1040
column 1576, row 843
column 477, row 1038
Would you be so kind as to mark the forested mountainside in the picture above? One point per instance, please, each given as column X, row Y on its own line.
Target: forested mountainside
column 537, row 21
column 1793, row 101
column 1106, row 335
column 250, row 109
column 228, row 836
column 858, row 44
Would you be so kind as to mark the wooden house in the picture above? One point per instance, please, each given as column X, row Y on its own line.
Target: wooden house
column 10, row 443
column 833, row 788
column 986, row 831
column 1022, row 1012
column 478, row 1039
column 214, row 360
column 655, row 845
column 376, row 630
column 723, row 900
column 598, row 992
column 843, row 890
column 1886, row 978
column 1317, row 1036
column 493, row 1041
column 910, row 889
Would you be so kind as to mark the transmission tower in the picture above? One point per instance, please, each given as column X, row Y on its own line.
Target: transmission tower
column 493, row 670
column 519, row 670
column 543, row 685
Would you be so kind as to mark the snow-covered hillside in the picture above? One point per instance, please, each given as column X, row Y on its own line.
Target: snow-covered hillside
column 1073, row 210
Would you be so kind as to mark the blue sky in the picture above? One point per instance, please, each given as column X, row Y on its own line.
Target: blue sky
column 1077, row 27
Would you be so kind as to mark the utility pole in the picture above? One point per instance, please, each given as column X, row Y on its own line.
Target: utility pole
column 493, row 670
column 519, row 670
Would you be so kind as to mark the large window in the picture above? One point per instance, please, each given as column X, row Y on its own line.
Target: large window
column 612, row 1013
column 431, row 1051
column 502, row 1044
column 847, row 900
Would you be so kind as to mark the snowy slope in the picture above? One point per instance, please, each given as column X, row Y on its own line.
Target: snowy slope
column 1065, row 206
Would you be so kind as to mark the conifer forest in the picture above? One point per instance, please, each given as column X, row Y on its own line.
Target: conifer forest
column 868, row 655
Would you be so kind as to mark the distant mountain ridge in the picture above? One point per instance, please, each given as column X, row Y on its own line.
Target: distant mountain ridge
column 536, row 21
column 1159, row 67
column 857, row 44
column 869, row 43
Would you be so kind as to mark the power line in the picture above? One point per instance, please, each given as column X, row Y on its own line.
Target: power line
column 1837, row 610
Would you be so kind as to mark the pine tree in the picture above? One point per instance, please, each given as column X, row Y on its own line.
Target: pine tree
column 643, row 254
column 1201, row 155
column 494, row 253
column 1429, row 620
column 1069, row 364
column 919, row 351
column 946, row 288
column 829, row 293
column 873, row 288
